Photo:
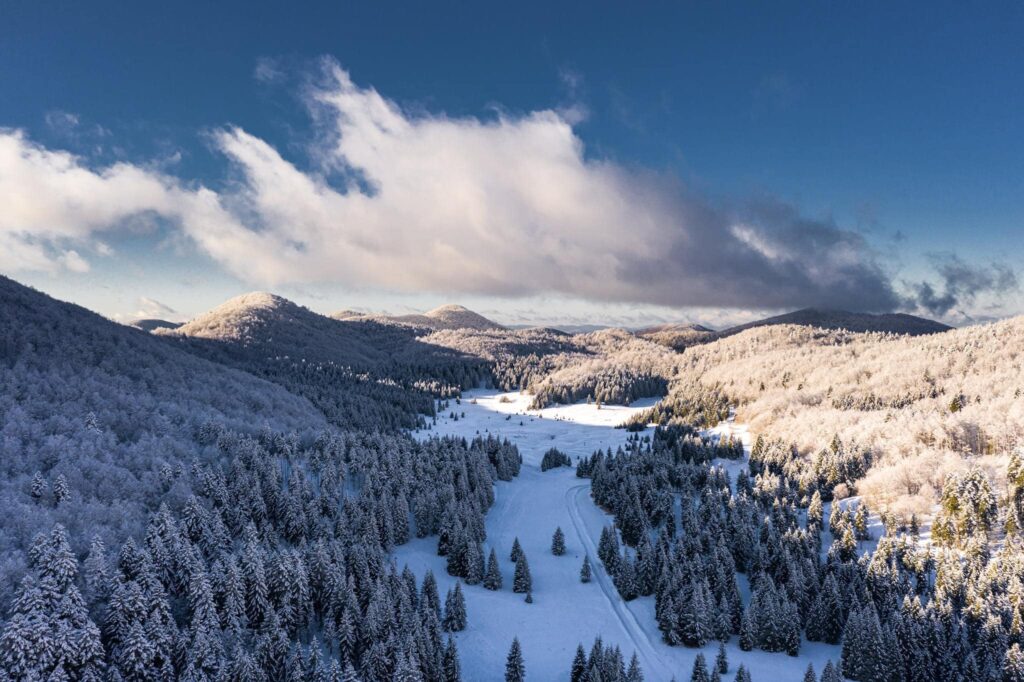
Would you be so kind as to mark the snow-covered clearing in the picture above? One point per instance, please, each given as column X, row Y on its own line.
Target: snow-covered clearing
column 565, row 611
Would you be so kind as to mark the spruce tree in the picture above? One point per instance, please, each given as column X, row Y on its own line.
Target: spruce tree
column 521, row 581
column 700, row 670
column 515, row 671
column 585, row 573
column 722, row 660
column 61, row 491
column 634, row 673
column 578, row 671
column 450, row 666
column 809, row 675
column 429, row 598
column 742, row 674
column 558, row 542
column 492, row 578
column 455, row 610
column 1013, row 664
column 38, row 486
column 474, row 563
column 831, row 673
column 517, row 549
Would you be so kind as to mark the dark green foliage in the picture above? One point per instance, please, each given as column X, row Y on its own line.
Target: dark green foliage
column 553, row 459
column 492, row 579
column 522, row 582
column 700, row 670
column 455, row 610
column 515, row 670
column 558, row 542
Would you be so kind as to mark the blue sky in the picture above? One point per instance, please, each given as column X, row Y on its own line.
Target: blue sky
column 889, row 136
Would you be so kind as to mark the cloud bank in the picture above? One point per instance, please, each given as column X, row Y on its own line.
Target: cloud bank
column 508, row 206
column 962, row 283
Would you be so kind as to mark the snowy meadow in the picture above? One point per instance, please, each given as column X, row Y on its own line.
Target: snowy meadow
column 566, row 612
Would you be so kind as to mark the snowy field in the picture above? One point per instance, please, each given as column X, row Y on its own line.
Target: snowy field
column 565, row 611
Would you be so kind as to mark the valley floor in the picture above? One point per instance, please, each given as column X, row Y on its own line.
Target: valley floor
column 565, row 611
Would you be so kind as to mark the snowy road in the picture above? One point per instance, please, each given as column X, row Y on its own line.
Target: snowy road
column 652, row 662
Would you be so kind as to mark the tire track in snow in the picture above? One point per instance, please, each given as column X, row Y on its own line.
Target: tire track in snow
column 654, row 666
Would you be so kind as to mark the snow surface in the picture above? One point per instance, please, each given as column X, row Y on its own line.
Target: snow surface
column 565, row 611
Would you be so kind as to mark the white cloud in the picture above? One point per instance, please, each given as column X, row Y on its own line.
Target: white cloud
column 267, row 70
column 507, row 206
column 51, row 201
column 512, row 206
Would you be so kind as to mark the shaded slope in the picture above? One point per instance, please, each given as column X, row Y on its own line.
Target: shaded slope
column 110, row 408
column 892, row 323
column 357, row 371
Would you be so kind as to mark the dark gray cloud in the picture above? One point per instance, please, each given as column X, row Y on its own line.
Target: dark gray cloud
column 962, row 283
column 765, row 254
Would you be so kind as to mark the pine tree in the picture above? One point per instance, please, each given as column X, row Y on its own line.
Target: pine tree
column 748, row 634
column 492, row 579
column 38, row 486
column 700, row 670
column 429, row 598
column 1013, row 664
column 585, row 573
column 809, row 675
column 558, row 542
column 474, row 563
column 515, row 671
column 815, row 511
column 455, row 610
column 578, row 671
column 61, row 491
column 521, row 581
column 634, row 674
column 742, row 674
column 825, row 620
column 450, row 666
column 831, row 673
column 517, row 549
column 721, row 660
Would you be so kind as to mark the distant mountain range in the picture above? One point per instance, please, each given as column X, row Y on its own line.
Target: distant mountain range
column 150, row 324
column 894, row 323
column 449, row 316
column 682, row 336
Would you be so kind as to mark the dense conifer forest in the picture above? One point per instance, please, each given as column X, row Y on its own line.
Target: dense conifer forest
column 224, row 500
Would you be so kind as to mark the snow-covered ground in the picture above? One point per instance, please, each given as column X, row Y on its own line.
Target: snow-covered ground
column 565, row 611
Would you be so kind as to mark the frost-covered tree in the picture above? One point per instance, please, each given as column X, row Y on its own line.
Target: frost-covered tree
column 515, row 670
column 492, row 579
column 585, row 572
column 455, row 610
column 558, row 542
column 522, row 582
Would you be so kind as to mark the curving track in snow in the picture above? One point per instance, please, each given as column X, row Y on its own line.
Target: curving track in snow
column 652, row 662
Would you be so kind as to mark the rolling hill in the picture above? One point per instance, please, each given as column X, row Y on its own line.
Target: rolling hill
column 150, row 324
column 679, row 337
column 892, row 323
column 449, row 316
column 109, row 407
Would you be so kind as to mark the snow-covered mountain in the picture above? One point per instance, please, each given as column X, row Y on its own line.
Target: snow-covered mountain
column 677, row 336
column 150, row 324
column 358, row 371
column 268, row 325
column 108, row 406
column 449, row 316
column 893, row 323
column 685, row 335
